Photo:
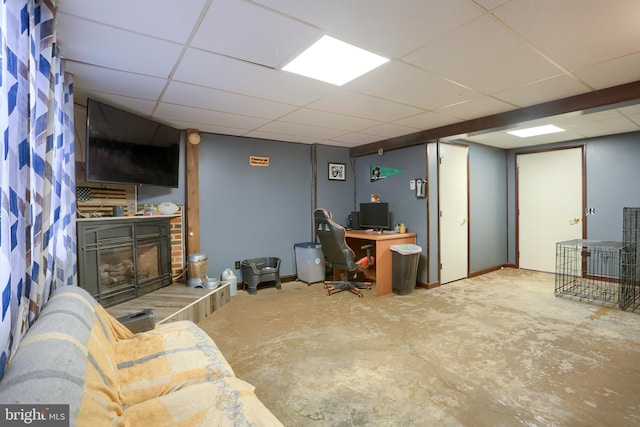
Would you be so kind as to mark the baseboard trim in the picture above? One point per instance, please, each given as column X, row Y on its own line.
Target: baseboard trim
column 288, row 278
column 428, row 285
column 473, row 274
column 490, row 269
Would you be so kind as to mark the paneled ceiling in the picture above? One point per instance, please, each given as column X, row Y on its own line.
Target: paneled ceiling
column 214, row 65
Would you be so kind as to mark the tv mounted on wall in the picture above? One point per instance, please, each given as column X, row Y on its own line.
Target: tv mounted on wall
column 125, row 148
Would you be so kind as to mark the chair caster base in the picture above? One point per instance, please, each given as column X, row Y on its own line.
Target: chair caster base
column 355, row 287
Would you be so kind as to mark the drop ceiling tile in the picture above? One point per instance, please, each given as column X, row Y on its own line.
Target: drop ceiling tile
column 504, row 140
column 307, row 116
column 141, row 107
column 101, row 45
column 630, row 110
column 213, row 99
column 410, row 85
column 356, row 138
column 197, row 115
column 215, row 71
column 209, row 128
column 572, row 32
column 491, row 4
column 635, row 118
column 477, row 107
column 300, row 130
column 542, row 91
column 282, row 137
column 391, row 28
column 389, row 130
column 608, row 127
column 338, row 143
column 579, row 117
column 611, row 73
column 368, row 107
column 252, row 33
column 166, row 19
column 114, row 82
column 484, row 56
column 428, row 120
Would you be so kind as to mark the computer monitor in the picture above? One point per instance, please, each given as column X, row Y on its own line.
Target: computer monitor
column 374, row 215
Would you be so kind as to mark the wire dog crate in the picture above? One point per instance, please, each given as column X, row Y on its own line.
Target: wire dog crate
column 589, row 270
column 630, row 262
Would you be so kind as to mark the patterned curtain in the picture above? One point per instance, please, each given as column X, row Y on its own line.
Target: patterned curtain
column 37, row 175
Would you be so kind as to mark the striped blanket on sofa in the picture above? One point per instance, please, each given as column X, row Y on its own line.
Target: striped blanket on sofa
column 78, row 354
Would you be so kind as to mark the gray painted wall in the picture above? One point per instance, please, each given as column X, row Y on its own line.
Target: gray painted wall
column 487, row 207
column 403, row 204
column 613, row 183
column 335, row 196
column 253, row 212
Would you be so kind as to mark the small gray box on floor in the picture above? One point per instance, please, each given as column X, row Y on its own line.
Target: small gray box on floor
column 140, row 321
column 309, row 262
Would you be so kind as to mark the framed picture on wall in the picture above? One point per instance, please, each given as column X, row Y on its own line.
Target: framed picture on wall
column 337, row 171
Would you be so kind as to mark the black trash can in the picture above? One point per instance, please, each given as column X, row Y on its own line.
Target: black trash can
column 404, row 268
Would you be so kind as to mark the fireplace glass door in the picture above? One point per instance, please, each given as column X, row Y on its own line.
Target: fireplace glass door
column 116, row 273
column 122, row 259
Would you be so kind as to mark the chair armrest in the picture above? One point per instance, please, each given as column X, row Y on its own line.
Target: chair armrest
column 368, row 249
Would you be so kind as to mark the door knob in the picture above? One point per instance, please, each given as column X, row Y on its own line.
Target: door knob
column 573, row 221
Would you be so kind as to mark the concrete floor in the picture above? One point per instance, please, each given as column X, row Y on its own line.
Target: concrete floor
column 495, row 350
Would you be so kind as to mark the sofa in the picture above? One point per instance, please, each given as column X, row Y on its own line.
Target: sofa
column 76, row 353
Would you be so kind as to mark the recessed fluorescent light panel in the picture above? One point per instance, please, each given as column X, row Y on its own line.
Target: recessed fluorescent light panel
column 535, row 131
column 334, row 61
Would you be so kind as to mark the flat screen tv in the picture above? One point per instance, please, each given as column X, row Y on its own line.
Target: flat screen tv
column 125, row 148
column 374, row 215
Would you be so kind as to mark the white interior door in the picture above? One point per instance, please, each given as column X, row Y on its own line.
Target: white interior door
column 549, row 205
column 454, row 212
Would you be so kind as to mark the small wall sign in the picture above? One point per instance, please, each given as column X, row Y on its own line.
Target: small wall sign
column 259, row 161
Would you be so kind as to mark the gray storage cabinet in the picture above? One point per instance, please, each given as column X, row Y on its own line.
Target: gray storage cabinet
column 309, row 262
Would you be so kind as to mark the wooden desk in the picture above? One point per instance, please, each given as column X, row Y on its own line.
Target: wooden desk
column 382, row 253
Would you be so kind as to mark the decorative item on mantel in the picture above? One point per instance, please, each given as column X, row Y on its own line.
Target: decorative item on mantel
column 167, row 208
column 148, row 210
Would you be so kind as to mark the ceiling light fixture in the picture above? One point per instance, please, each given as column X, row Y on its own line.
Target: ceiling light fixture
column 334, row 61
column 535, row 131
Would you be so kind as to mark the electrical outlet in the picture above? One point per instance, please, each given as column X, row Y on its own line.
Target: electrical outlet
column 237, row 265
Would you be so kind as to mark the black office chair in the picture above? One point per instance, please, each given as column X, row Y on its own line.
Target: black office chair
column 339, row 255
